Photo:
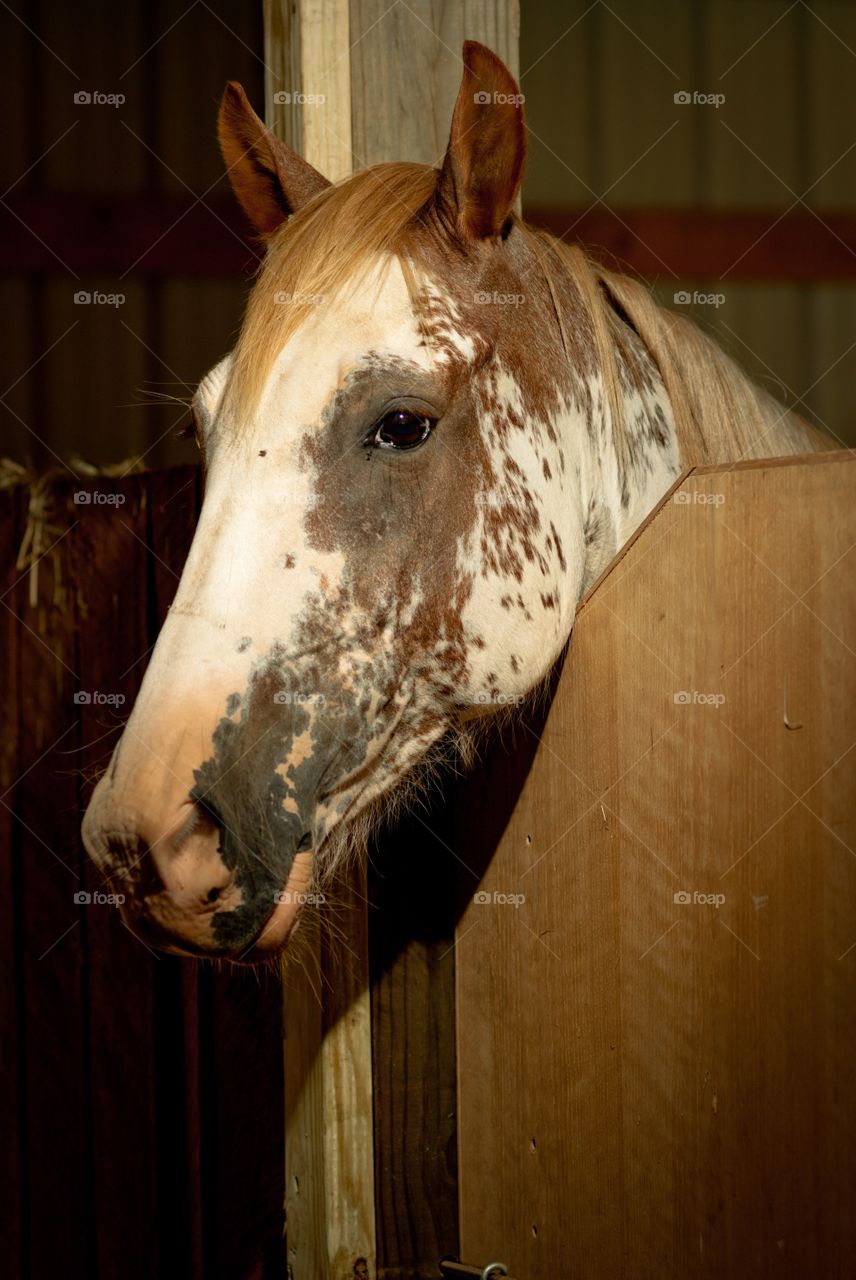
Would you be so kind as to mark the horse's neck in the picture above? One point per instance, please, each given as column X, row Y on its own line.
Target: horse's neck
column 621, row 482
column 725, row 419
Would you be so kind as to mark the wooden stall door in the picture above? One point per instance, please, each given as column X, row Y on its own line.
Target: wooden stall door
column 656, row 985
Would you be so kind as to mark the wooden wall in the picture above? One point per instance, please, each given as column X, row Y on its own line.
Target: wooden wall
column 98, row 197
column 655, row 974
column 600, row 83
column 141, row 1095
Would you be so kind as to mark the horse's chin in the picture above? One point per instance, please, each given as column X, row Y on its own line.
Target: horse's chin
column 340, row 829
column 283, row 920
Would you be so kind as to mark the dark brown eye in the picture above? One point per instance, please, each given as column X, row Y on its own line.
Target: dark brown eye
column 401, row 429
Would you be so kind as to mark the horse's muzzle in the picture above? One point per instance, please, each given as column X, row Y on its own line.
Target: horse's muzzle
column 175, row 889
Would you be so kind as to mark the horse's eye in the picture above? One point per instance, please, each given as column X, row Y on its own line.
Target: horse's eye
column 401, row 429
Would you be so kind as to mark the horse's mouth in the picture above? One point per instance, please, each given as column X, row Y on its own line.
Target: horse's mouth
column 284, row 918
column 167, row 922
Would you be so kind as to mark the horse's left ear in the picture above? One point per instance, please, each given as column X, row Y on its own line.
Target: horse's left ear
column 270, row 180
column 483, row 166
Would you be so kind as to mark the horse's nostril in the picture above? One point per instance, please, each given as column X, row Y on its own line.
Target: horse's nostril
column 213, row 894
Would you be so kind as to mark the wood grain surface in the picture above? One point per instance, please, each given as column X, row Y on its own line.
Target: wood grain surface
column 654, row 1044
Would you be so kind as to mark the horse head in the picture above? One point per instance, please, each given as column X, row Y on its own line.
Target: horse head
column 412, row 471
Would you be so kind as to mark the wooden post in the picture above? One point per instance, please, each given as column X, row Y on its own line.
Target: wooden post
column 349, row 85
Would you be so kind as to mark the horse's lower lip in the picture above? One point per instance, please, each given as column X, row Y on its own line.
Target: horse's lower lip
column 284, row 916
column 276, row 932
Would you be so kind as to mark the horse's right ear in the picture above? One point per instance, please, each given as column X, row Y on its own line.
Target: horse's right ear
column 270, row 180
column 483, row 167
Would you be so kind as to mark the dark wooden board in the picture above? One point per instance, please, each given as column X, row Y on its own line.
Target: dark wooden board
column 412, row 966
column 53, row 1038
column 144, row 1093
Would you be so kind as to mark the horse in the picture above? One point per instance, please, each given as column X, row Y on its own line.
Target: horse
column 436, row 428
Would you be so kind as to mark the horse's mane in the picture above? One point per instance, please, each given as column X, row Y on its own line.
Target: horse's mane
column 323, row 249
column 720, row 414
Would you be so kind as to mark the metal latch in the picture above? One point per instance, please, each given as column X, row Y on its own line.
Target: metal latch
column 451, row 1269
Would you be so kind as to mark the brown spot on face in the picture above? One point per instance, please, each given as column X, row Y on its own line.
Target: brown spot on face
column 289, row 561
column 559, row 550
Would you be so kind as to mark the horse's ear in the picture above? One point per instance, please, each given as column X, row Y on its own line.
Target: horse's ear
column 270, row 180
column 483, row 166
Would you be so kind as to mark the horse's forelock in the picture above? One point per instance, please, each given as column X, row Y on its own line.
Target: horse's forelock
column 321, row 251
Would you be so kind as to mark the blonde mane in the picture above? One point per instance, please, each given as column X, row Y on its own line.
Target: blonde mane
column 323, row 249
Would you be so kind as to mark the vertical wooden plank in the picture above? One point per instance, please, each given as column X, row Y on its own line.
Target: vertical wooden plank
column 329, row 1201
column 647, row 138
column 282, row 36
column 109, row 567
column 753, row 55
column 671, row 1033
column 308, row 81
column 329, row 1152
column 12, row 1149
column 302, row 1035
column 556, row 77
column 402, row 116
column 171, row 509
column 412, row 888
column 241, row 1103
column 347, row 1085
column 51, row 959
column 830, row 35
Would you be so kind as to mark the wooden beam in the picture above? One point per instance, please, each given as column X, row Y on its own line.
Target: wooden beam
column 173, row 235
column 308, row 81
column 710, row 245
column 329, row 1151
